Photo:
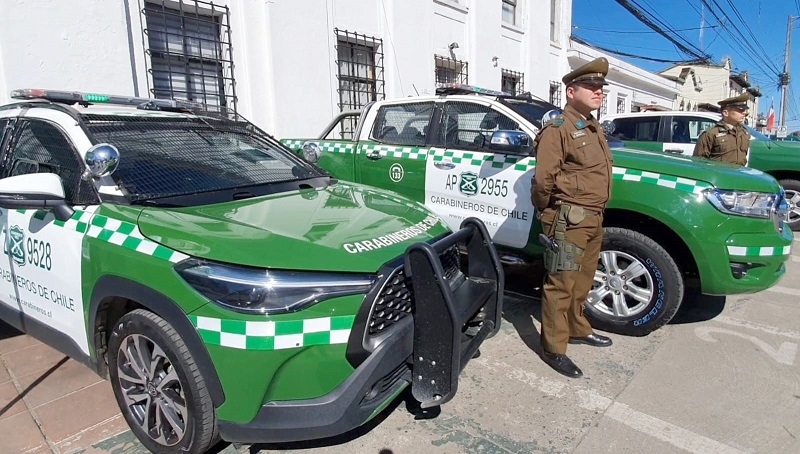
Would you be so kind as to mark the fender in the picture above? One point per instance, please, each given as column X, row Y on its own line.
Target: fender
column 115, row 286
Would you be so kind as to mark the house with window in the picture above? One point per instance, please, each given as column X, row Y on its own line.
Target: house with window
column 289, row 66
column 703, row 85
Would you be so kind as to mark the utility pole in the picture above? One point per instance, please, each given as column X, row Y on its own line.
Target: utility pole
column 783, row 80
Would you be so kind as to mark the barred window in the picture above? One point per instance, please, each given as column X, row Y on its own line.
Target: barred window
column 621, row 104
column 512, row 82
column 555, row 93
column 450, row 70
column 510, row 12
column 603, row 110
column 190, row 54
column 359, row 59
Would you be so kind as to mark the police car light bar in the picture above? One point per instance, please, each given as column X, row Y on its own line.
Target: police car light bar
column 456, row 88
column 72, row 97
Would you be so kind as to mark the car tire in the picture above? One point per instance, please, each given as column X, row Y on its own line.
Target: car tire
column 158, row 386
column 792, row 190
column 638, row 288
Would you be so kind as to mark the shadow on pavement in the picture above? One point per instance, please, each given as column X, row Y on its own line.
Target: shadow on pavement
column 697, row 307
column 35, row 383
column 7, row 331
column 411, row 405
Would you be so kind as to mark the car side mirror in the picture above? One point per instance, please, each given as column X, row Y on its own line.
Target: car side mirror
column 516, row 142
column 102, row 160
column 35, row 191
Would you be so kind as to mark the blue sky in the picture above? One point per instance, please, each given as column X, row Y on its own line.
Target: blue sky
column 606, row 23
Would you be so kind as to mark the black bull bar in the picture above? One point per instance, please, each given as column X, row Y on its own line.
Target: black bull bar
column 444, row 309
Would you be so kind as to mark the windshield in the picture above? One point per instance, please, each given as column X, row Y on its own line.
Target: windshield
column 174, row 156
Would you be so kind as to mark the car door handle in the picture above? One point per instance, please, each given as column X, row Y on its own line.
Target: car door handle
column 674, row 151
column 444, row 165
column 374, row 156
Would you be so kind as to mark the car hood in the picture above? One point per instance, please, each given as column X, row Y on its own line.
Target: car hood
column 718, row 174
column 342, row 227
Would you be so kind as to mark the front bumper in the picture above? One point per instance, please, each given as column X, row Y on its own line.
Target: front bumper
column 431, row 343
column 761, row 255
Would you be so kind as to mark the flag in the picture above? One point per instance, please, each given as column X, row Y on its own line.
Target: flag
column 771, row 118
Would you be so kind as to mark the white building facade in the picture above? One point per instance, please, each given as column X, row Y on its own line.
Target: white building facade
column 287, row 65
column 630, row 88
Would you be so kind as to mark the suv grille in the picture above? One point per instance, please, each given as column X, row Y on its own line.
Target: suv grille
column 396, row 299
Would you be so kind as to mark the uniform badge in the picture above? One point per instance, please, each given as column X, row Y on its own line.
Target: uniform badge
column 721, row 134
column 580, row 124
column 576, row 134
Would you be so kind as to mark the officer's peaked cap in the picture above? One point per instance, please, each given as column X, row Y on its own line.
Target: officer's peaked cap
column 739, row 102
column 593, row 72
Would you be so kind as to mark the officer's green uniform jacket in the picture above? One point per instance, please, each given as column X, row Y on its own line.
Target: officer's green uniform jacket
column 724, row 143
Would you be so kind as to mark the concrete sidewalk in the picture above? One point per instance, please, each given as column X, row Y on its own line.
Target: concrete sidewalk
column 52, row 404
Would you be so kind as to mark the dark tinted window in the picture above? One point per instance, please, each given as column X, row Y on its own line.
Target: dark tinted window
column 42, row 148
column 642, row 129
column 468, row 125
column 403, row 124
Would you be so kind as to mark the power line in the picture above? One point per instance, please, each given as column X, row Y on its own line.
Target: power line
column 577, row 27
column 645, row 20
column 625, row 54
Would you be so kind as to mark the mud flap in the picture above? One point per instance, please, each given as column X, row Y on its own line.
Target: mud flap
column 444, row 306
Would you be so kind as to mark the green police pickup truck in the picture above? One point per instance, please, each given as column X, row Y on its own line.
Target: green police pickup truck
column 672, row 221
column 676, row 132
column 228, row 288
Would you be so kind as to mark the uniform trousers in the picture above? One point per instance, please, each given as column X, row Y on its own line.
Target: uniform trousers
column 564, row 292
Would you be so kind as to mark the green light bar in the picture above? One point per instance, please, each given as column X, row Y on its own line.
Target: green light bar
column 73, row 97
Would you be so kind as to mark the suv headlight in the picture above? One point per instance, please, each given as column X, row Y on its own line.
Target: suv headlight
column 742, row 203
column 263, row 291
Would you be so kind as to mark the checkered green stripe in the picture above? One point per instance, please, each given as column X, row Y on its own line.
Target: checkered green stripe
column 113, row 231
column 521, row 163
column 392, row 151
column 756, row 251
column 668, row 181
column 330, row 147
column 128, row 236
column 273, row 335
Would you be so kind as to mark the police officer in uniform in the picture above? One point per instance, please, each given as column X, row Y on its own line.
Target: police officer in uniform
column 571, row 187
column 728, row 140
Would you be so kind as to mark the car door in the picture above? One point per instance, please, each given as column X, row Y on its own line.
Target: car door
column 393, row 156
column 464, row 178
column 45, row 255
column 684, row 131
column 639, row 132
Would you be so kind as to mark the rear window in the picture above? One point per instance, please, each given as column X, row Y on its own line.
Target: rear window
column 639, row 129
column 403, row 124
column 174, row 156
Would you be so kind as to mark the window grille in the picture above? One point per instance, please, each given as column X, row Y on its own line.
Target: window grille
column 190, row 53
column 450, row 70
column 359, row 59
column 555, row 93
column 603, row 110
column 510, row 12
column 512, row 82
column 621, row 104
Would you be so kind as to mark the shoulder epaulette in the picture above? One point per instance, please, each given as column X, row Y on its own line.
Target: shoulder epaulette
column 558, row 121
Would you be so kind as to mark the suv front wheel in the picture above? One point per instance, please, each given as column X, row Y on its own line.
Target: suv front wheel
column 158, row 385
column 637, row 287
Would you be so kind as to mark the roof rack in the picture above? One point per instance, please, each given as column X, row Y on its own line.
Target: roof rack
column 86, row 99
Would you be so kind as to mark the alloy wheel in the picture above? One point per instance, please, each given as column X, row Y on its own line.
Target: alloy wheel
column 622, row 285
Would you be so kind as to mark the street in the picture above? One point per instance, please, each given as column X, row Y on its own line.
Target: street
column 723, row 377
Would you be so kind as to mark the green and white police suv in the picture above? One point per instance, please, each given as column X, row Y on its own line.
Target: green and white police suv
column 227, row 287
column 676, row 132
column 672, row 221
